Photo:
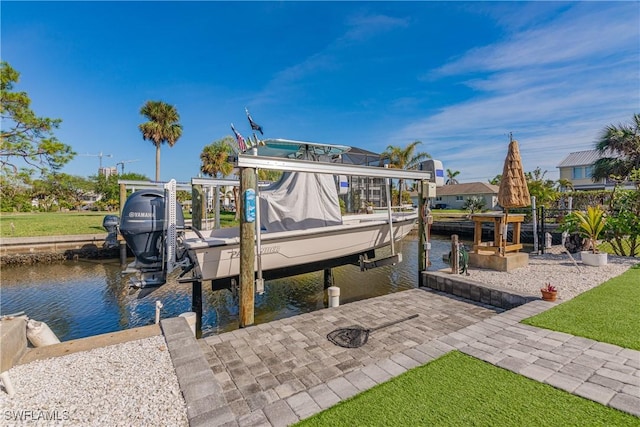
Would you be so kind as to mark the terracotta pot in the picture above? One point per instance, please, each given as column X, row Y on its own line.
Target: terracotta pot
column 549, row 296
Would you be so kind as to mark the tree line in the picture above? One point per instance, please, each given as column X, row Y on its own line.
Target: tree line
column 28, row 147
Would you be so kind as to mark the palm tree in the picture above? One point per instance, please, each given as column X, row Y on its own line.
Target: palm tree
column 539, row 187
column 564, row 184
column 451, row 177
column 162, row 126
column 404, row 158
column 269, row 175
column 621, row 146
column 215, row 161
column 215, row 158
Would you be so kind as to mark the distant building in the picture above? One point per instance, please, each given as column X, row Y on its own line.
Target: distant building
column 577, row 168
column 108, row 171
column 454, row 196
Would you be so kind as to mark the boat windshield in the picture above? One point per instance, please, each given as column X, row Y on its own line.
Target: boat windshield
column 299, row 149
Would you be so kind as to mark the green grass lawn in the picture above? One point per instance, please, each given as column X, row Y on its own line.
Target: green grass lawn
column 65, row 223
column 608, row 313
column 51, row 223
column 459, row 390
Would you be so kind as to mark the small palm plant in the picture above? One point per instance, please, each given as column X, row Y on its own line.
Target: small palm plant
column 591, row 224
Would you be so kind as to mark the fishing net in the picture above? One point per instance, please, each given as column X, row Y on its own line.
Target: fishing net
column 357, row 336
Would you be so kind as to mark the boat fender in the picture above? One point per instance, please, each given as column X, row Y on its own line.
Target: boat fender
column 250, row 205
column 39, row 334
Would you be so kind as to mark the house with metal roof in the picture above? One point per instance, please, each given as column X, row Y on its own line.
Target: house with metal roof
column 577, row 168
column 454, row 196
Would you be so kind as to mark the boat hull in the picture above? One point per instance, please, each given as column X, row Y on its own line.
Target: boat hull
column 220, row 258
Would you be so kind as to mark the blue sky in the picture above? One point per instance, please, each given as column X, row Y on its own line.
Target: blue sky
column 458, row 76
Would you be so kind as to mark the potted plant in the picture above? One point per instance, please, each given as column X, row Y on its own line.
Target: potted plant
column 590, row 225
column 549, row 292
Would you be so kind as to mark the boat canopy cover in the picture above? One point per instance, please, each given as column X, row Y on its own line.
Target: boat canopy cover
column 299, row 201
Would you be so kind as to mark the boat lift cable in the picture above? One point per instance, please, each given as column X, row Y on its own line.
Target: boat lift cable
column 259, row 279
column 389, row 215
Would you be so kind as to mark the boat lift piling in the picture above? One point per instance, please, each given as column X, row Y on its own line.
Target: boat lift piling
column 247, row 245
column 196, row 305
column 425, row 219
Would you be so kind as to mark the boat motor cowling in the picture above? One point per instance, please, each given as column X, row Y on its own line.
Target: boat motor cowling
column 142, row 226
column 110, row 223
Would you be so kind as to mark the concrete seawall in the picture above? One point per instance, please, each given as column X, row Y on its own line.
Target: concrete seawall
column 49, row 244
column 465, row 229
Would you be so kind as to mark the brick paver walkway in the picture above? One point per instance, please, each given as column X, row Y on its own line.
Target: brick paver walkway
column 280, row 372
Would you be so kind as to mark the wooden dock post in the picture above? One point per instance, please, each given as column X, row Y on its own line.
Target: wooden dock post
column 455, row 255
column 426, row 191
column 247, row 249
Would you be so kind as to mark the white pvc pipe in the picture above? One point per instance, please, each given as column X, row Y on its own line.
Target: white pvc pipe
column 6, row 381
column 159, row 307
column 334, row 296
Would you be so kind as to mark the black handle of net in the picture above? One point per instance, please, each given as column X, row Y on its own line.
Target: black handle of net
column 384, row 325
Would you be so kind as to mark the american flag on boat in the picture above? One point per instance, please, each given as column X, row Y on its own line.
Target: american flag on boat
column 241, row 142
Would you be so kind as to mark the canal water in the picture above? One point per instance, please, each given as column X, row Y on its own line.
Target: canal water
column 85, row 298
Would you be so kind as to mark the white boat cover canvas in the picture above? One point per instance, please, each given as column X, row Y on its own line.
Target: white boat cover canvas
column 299, row 201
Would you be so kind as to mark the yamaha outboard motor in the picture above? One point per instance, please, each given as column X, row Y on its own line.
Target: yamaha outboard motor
column 143, row 228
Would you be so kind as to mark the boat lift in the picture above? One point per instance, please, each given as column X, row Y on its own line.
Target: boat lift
column 248, row 164
column 253, row 162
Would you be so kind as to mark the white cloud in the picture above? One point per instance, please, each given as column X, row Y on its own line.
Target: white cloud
column 584, row 32
column 363, row 27
column 554, row 84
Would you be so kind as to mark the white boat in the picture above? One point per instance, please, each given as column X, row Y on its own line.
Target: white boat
column 300, row 228
column 285, row 253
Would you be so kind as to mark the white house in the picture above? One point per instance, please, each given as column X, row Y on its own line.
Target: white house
column 454, row 196
column 577, row 168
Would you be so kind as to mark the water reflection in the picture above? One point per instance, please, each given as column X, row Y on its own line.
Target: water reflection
column 85, row 298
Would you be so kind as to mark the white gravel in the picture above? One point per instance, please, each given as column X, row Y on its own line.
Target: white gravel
column 557, row 269
column 129, row 384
